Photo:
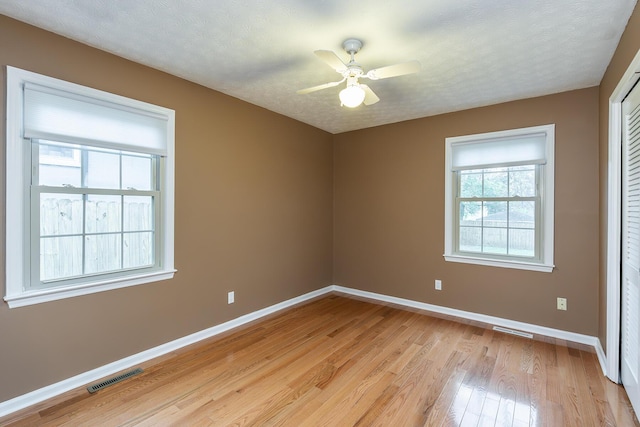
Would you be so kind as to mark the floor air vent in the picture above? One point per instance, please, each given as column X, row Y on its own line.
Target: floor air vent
column 512, row 332
column 111, row 381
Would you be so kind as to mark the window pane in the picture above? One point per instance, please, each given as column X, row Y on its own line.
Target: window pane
column 59, row 176
column 522, row 214
column 59, row 165
column 58, row 154
column 470, row 239
column 137, row 249
column 522, row 182
column 495, row 214
column 138, row 213
column 470, row 184
column 60, row 257
column 470, row 211
column 103, row 170
column 136, row 173
column 494, row 240
column 103, row 214
column 522, row 242
column 60, row 214
column 102, row 253
column 495, row 183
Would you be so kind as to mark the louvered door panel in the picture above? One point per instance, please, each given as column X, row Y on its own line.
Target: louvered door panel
column 630, row 341
column 630, row 304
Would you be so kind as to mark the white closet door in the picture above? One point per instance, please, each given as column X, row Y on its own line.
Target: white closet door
column 630, row 319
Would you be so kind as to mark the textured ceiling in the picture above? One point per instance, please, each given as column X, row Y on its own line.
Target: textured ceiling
column 473, row 52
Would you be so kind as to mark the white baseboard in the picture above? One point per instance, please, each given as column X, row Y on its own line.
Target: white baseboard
column 85, row 378
column 602, row 358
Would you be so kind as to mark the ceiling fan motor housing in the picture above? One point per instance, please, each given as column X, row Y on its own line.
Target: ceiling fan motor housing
column 353, row 71
column 352, row 46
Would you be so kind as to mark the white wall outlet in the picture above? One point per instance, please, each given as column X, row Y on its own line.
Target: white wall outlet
column 438, row 285
column 562, row 303
column 231, row 297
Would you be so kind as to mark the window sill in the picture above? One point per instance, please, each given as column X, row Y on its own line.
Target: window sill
column 520, row 265
column 53, row 294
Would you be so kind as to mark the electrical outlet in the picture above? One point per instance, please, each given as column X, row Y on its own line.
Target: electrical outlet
column 231, row 297
column 562, row 303
column 438, row 285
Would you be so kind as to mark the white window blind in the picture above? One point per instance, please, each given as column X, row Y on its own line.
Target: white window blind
column 499, row 152
column 63, row 116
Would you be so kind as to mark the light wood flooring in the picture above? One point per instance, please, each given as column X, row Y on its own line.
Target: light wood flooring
column 339, row 361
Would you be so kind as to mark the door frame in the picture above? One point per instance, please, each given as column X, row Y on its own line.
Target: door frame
column 614, row 213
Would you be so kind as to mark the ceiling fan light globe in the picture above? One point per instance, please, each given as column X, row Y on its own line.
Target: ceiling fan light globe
column 352, row 96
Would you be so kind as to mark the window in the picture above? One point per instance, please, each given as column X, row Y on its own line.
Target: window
column 89, row 190
column 95, row 217
column 499, row 199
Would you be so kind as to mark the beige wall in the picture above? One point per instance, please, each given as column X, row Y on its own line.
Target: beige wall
column 253, row 214
column 626, row 51
column 389, row 214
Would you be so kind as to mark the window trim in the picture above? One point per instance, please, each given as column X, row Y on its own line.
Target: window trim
column 18, row 164
column 545, row 263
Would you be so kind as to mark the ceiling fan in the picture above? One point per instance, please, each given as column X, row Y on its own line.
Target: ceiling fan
column 356, row 93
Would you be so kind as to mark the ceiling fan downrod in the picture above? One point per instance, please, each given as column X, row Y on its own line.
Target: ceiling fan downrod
column 352, row 46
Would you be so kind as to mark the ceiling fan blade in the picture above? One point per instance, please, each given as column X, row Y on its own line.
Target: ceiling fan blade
column 370, row 97
column 331, row 59
column 319, row 87
column 394, row 70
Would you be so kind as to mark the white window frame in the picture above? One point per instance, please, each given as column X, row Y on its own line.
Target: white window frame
column 544, row 260
column 19, row 291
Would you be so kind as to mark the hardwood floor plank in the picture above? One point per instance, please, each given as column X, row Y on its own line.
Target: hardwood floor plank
column 479, row 380
column 373, row 414
column 343, row 361
column 391, row 409
column 428, row 380
column 537, row 380
column 586, row 401
column 602, row 408
column 490, row 408
column 458, row 406
column 367, row 367
column 439, row 411
column 620, row 405
column 523, row 400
